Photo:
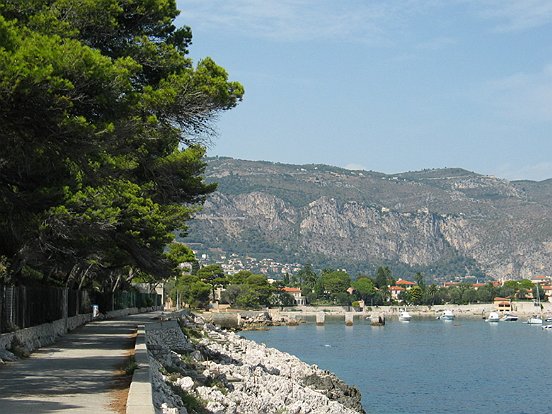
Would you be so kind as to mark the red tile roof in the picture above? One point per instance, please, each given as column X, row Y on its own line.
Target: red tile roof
column 291, row 289
column 405, row 282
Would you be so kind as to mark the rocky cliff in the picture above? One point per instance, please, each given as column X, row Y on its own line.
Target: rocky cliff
column 437, row 221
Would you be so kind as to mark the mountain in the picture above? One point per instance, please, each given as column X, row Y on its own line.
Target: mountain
column 443, row 222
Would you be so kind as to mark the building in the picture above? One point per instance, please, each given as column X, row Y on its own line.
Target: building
column 503, row 304
column 395, row 291
column 541, row 280
column 405, row 284
column 296, row 293
column 548, row 292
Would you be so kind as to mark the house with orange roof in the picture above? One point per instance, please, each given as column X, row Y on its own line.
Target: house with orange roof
column 540, row 280
column 478, row 285
column 407, row 284
column 296, row 293
column 395, row 291
column 503, row 304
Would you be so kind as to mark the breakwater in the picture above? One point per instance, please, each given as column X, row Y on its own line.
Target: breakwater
column 195, row 364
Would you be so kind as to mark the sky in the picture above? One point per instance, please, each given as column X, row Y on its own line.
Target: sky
column 388, row 86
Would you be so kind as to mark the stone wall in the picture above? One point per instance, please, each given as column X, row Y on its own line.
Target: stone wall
column 25, row 341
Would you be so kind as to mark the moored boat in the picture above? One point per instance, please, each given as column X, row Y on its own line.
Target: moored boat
column 447, row 315
column 493, row 317
column 404, row 316
column 509, row 317
column 534, row 320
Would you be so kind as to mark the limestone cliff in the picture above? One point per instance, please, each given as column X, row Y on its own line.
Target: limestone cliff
column 430, row 220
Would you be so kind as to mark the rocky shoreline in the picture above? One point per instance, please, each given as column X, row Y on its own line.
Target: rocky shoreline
column 199, row 368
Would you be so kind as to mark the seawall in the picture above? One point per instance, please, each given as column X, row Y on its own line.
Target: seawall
column 193, row 362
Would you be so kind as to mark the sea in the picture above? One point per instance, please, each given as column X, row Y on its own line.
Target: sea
column 427, row 365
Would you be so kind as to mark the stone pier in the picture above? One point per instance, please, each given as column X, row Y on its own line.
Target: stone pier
column 320, row 318
column 349, row 316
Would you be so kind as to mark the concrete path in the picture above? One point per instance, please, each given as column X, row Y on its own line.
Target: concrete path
column 77, row 374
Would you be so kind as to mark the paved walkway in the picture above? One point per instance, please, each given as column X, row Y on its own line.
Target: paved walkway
column 77, row 374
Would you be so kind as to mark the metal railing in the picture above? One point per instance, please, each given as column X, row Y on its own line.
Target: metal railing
column 26, row 306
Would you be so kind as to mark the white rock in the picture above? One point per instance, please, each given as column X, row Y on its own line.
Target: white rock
column 185, row 383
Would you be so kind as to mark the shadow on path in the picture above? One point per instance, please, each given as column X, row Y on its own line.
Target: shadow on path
column 75, row 374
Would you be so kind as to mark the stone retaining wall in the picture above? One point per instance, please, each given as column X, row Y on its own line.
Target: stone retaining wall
column 25, row 341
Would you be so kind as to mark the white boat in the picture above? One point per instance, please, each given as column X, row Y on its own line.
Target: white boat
column 535, row 320
column 509, row 317
column 547, row 327
column 447, row 315
column 404, row 316
column 493, row 317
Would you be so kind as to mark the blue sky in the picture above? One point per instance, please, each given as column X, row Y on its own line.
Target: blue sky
column 388, row 86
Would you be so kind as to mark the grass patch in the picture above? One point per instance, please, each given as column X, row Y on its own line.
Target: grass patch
column 131, row 365
column 193, row 404
column 218, row 384
column 192, row 334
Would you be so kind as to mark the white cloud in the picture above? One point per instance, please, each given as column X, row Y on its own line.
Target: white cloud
column 304, row 20
column 515, row 15
column 378, row 23
column 521, row 96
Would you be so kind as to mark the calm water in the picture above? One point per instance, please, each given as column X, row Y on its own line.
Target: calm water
column 430, row 366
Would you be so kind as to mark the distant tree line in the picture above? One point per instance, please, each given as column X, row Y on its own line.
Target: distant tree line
column 246, row 290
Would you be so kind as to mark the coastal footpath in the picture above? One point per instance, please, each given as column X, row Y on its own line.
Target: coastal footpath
column 199, row 368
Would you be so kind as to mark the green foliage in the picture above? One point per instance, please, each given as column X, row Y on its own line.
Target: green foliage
column 365, row 289
column 280, row 298
column 335, row 284
column 180, row 254
column 251, row 291
column 383, row 277
column 193, row 291
column 415, row 295
column 103, row 119
column 130, row 366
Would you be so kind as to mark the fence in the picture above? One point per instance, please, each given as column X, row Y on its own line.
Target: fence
column 26, row 306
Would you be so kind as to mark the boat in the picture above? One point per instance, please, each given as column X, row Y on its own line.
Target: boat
column 509, row 317
column 548, row 327
column 536, row 319
column 447, row 315
column 493, row 317
column 404, row 316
